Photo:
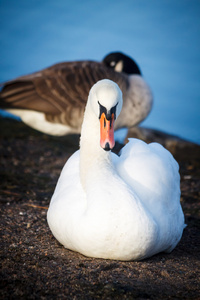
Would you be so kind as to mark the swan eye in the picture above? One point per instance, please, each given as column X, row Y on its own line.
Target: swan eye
column 113, row 111
column 108, row 114
column 102, row 110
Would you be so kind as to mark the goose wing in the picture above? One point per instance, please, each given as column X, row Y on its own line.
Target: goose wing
column 59, row 91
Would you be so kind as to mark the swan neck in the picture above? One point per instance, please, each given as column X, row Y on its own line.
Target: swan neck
column 93, row 159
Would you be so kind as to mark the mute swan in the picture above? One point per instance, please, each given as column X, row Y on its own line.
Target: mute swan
column 53, row 100
column 105, row 206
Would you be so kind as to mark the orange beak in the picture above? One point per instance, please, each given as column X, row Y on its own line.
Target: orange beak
column 107, row 141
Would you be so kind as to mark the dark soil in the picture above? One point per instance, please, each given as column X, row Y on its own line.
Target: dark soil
column 36, row 266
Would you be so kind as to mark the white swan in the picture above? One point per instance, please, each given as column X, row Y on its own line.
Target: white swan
column 105, row 206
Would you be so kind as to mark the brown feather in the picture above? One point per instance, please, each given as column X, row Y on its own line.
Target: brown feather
column 59, row 91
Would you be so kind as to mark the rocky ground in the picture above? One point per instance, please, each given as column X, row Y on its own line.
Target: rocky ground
column 35, row 266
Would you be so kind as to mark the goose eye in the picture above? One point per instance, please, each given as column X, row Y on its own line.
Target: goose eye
column 112, row 63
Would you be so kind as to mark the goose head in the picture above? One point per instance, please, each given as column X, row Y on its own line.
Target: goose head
column 105, row 101
column 121, row 63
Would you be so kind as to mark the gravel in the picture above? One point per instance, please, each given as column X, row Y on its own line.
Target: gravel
column 36, row 266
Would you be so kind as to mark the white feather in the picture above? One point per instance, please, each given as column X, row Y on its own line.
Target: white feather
column 124, row 208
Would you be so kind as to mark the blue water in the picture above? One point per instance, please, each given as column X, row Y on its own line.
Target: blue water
column 162, row 36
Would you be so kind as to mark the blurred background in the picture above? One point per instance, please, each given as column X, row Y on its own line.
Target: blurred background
column 162, row 36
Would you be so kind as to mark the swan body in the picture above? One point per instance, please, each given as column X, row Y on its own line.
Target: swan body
column 53, row 100
column 123, row 207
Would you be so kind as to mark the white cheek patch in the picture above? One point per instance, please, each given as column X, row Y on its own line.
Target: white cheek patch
column 119, row 66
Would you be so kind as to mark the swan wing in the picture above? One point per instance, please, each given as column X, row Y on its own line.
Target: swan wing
column 152, row 172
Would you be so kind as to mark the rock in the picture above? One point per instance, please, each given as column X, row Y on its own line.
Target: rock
column 171, row 142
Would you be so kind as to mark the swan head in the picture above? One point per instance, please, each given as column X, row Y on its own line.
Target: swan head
column 105, row 100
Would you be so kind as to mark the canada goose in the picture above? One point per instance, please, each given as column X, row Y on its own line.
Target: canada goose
column 53, row 100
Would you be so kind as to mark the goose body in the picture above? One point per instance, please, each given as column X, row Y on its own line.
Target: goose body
column 123, row 207
column 53, row 100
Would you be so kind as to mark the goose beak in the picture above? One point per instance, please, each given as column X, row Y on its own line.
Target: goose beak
column 107, row 141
